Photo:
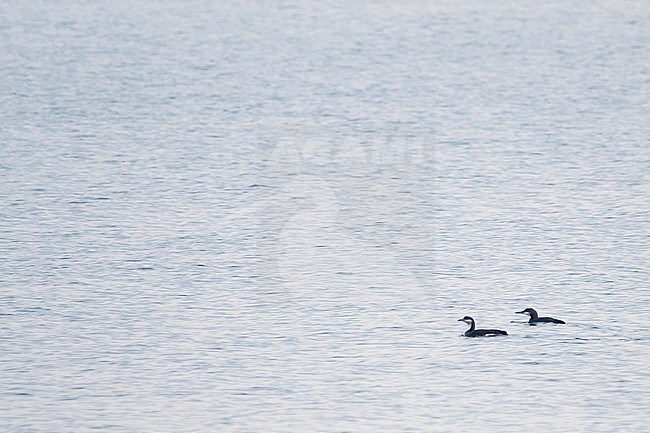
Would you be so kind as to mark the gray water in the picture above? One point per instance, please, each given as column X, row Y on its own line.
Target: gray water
column 269, row 216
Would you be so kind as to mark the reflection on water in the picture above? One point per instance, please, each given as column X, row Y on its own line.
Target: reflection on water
column 256, row 218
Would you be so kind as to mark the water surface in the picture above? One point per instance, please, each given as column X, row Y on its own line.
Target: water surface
column 269, row 217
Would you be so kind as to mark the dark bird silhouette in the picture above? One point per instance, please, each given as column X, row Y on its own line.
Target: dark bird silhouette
column 534, row 317
column 472, row 332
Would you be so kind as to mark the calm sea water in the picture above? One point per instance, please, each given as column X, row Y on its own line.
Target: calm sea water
column 269, row 216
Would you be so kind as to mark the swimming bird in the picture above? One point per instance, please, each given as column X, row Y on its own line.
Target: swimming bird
column 472, row 332
column 534, row 317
